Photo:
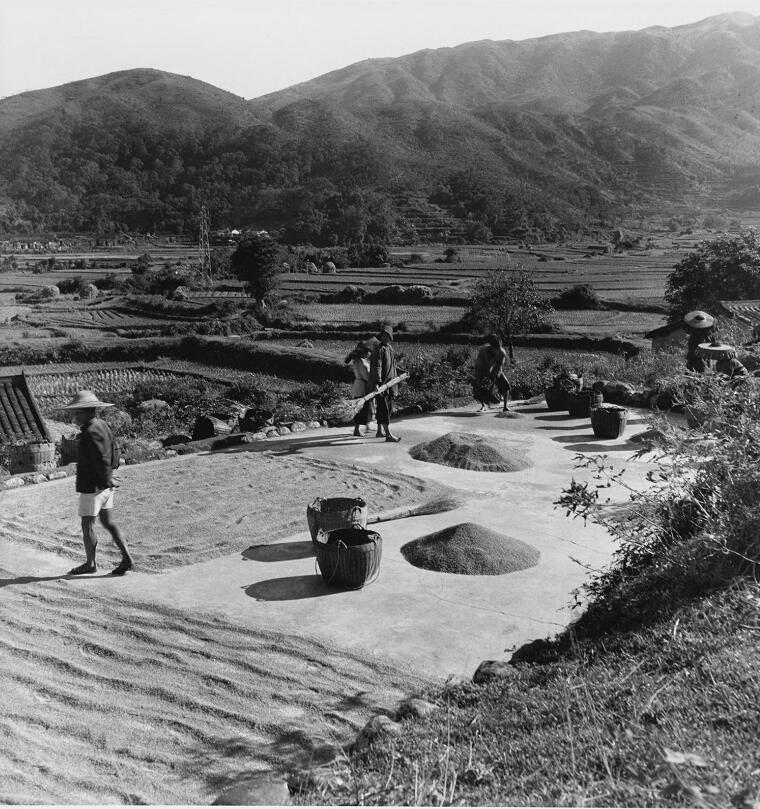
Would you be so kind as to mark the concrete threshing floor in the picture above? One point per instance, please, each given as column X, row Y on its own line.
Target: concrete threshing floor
column 435, row 624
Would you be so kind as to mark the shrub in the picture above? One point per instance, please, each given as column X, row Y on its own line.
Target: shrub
column 580, row 296
column 695, row 526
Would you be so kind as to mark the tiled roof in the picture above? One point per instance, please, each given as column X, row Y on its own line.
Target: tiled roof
column 20, row 420
column 745, row 310
column 661, row 331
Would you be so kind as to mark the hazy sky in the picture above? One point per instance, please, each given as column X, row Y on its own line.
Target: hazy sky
column 252, row 47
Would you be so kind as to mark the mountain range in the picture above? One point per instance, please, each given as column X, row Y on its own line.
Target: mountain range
column 545, row 136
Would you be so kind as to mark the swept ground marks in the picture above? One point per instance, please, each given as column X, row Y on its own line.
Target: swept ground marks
column 107, row 700
column 186, row 510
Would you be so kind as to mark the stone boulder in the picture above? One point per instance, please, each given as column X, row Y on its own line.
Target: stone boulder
column 261, row 789
column 379, row 725
column 176, row 438
column 415, row 706
column 493, row 670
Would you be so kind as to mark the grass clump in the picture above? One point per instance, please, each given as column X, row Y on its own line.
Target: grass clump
column 663, row 716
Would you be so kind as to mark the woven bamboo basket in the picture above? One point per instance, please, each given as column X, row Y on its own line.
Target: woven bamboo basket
column 349, row 557
column 579, row 404
column 34, row 456
column 608, row 420
column 329, row 514
column 556, row 398
column 69, row 449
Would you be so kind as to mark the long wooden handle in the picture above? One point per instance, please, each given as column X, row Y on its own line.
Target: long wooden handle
column 381, row 389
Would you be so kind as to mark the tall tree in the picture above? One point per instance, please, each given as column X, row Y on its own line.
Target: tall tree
column 507, row 303
column 723, row 268
column 255, row 263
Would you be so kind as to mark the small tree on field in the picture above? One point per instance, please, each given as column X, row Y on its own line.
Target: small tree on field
column 142, row 264
column 255, row 262
column 506, row 304
column 723, row 268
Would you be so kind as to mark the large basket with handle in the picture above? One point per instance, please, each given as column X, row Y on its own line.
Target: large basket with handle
column 329, row 514
column 556, row 398
column 349, row 557
column 608, row 420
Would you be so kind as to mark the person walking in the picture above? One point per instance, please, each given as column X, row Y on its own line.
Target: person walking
column 382, row 370
column 490, row 374
column 97, row 458
column 359, row 361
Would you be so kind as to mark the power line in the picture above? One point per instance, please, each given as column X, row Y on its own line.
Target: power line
column 204, row 245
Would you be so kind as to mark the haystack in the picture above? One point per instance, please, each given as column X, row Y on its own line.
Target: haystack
column 470, row 549
column 470, row 451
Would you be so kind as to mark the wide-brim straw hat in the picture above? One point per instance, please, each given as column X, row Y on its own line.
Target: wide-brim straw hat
column 699, row 320
column 716, row 351
column 85, row 400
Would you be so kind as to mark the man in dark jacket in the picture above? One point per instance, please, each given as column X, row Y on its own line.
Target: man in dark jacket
column 382, row 370
column 96, row 461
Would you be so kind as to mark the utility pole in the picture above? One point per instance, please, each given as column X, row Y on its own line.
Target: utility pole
column 204, row 246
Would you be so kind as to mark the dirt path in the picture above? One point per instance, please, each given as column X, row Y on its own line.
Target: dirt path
column 110, row 700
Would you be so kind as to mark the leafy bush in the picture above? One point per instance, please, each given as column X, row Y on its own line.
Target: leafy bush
column 580, row 296
column 695, row 527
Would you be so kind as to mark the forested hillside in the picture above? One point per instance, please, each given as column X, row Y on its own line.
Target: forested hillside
column 550, row 136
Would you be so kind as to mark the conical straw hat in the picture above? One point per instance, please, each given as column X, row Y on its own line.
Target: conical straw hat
column 699, row 320
column 85, row 400
column 716, row 350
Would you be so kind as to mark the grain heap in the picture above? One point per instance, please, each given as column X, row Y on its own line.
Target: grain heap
column 469, row 451
column 470, row 549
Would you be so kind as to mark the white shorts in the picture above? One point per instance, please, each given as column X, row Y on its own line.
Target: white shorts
column 92, row 503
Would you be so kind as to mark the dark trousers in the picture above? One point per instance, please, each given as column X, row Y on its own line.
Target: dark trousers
column 363, row 416
column 384, row 408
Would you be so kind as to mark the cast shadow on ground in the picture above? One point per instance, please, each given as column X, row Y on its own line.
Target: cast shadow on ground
column 554, row 427
column 581, row 443
column 290, row 588
column 467, row 414
column 554, row 417
column 288, row 446
column 38, row 579
column 226, row 763
column 279, row 551
column 532, row 409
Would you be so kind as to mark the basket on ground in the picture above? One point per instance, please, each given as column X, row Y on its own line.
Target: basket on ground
column 579, row 404
column 556, row 398
column 328, row 514
column 33, row 456
column 608, row 420
column 349, row 557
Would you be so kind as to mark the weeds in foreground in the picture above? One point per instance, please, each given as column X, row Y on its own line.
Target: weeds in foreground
column 694, row 526
column 661, row 716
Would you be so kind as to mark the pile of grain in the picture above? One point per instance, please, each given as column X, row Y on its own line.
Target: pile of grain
column 470, row 549
column 469, row 451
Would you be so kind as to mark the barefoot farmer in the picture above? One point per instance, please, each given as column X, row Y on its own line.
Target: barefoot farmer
column 96, row 459
column 490, row 373
column 382, row 370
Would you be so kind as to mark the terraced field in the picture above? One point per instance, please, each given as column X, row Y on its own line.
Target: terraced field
column 592, row 322
column 358, row 313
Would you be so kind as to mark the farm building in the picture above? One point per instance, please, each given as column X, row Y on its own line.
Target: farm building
column 20, row 418
column 671, row 335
